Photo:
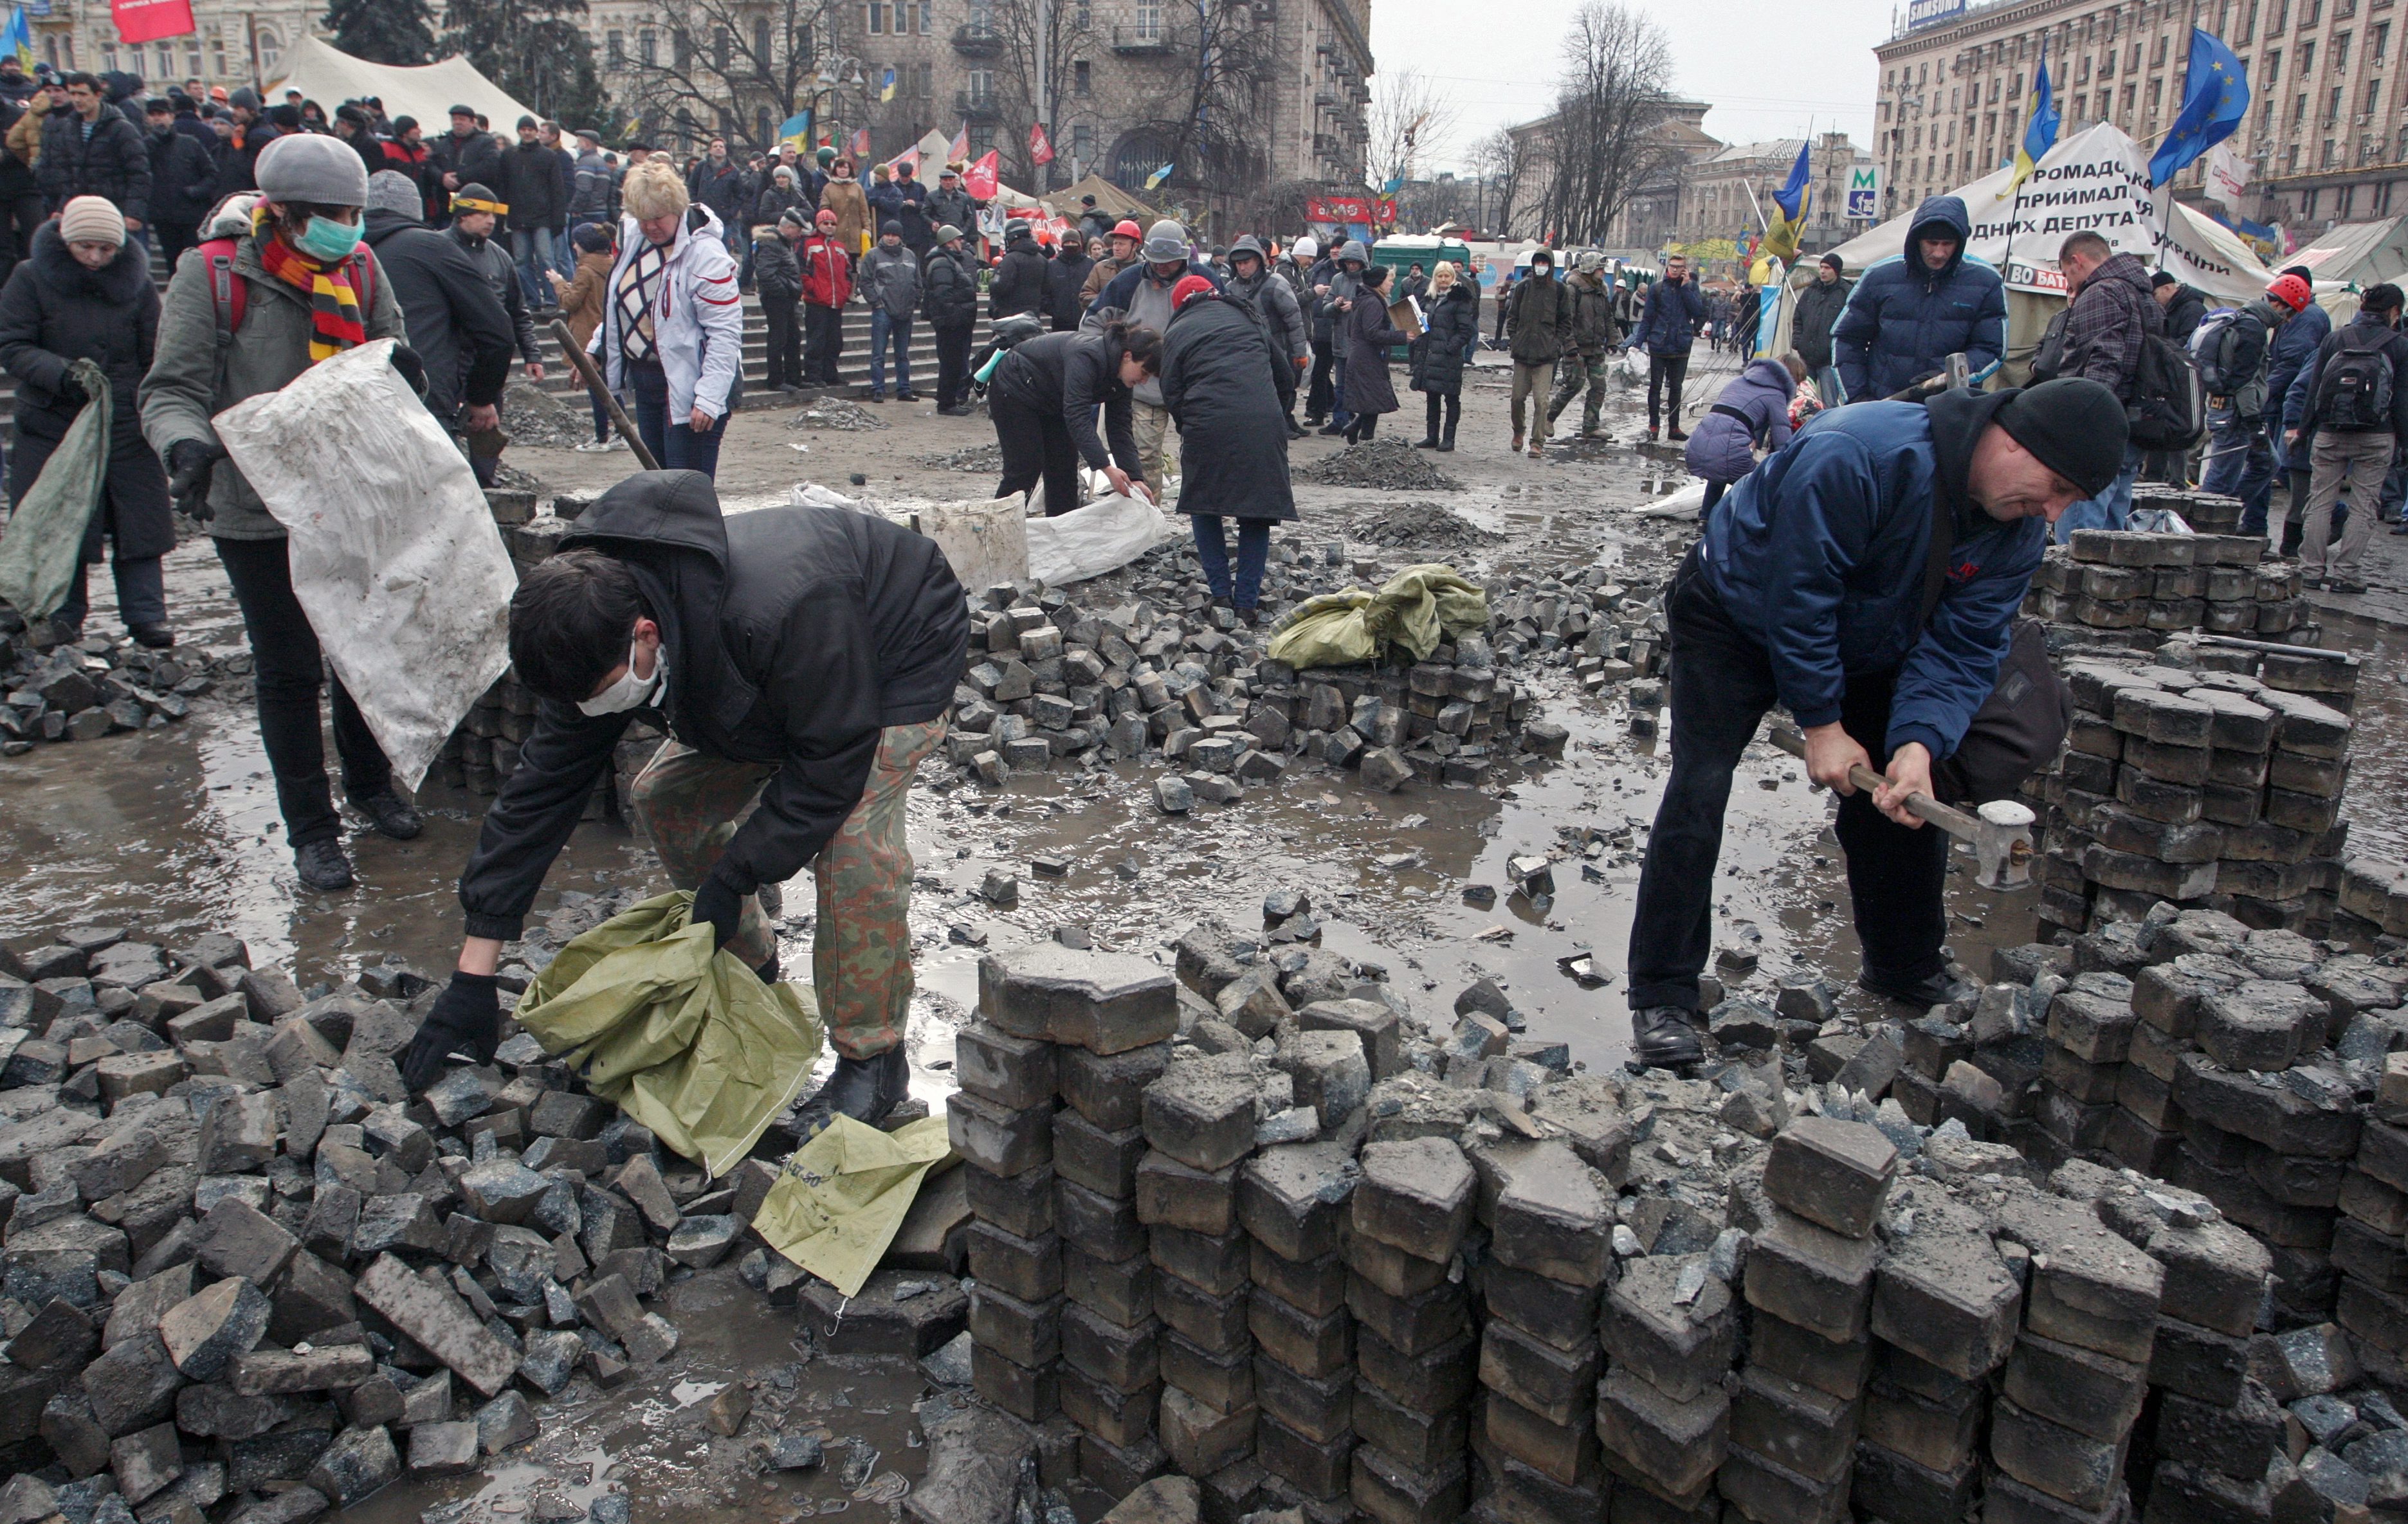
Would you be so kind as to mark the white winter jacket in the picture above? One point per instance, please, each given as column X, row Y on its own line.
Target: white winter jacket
column 698, row 319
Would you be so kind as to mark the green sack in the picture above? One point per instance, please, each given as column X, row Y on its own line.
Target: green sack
column 42, row 547
column 686, row 1040
column 845, row 1194
column 1417, row 609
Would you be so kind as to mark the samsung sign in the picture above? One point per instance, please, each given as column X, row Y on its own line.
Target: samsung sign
column 1922, row 13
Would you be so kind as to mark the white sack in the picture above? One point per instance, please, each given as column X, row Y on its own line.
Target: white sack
column 395, row 558
column 1683, row 504
column 1104, row 536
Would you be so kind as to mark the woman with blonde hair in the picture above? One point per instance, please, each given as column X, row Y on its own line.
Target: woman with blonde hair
column 672, row 335
column 844, row 196
column 1450, row 326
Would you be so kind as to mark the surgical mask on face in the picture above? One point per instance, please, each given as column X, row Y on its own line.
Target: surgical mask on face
column 323, row 238
column 630, row 692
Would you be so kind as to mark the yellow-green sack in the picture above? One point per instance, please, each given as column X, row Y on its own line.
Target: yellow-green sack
column 1420, row 606
column 845, row 1194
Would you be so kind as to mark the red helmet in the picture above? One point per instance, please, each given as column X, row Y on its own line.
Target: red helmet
column 2292, row 292
column 1128, row 229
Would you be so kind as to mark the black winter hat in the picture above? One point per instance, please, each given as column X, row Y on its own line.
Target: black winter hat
column 1836, row 263
column 2162, row 278
column 2074, row 426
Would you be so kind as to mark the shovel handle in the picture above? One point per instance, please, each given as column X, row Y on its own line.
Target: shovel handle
column 1947, row 818
column 593, row 383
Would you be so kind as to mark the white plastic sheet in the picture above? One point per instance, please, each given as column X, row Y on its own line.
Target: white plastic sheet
column 395, row 558
column 1103, row 536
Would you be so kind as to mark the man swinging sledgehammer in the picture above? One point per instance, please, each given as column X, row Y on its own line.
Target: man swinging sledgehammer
column 799, row 657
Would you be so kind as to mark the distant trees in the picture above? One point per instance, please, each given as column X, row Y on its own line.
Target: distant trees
column 383, row 31
column 1603, row 143
column 537, row 50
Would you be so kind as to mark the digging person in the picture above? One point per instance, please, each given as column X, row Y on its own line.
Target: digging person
column 1809, row 589
column 802, row 659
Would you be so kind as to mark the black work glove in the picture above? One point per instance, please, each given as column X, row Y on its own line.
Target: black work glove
column 718, row 903
column 190, row 464
column 69, row 391
column 412, row 369
column 1922, row 388
column 466, row 1019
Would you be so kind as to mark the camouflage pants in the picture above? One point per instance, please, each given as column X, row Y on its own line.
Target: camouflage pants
column 690, row 804
column 1572, row 372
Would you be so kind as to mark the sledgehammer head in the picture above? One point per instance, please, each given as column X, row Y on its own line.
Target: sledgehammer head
column 2002, row 846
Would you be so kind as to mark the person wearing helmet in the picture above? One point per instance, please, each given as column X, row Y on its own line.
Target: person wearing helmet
column 310, row 291
column 1141, row 294
column 2233, row 359
column 1124, row 238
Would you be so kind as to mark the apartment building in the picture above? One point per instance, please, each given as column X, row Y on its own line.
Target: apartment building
column 2326, row 139
column 1729, row 192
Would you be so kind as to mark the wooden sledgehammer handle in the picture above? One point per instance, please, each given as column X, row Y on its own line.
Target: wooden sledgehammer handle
column 1955, row 821
column 593, row 383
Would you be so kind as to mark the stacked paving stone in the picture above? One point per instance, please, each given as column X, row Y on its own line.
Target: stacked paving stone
column 1052, row 681
column 2210, row 777
column 1549, row 1217
column 97, row 686
column 1292, row 1199
column 1048, row 1122
column 2126, row 587
column 1414, row 1339
column 250, row 1277
column 1810, row 1281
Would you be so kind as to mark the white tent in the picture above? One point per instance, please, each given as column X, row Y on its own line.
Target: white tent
column 428, row 92
column 2097, row 179
column 2357, row 253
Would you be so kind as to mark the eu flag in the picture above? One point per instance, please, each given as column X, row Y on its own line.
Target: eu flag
column 2215, row 96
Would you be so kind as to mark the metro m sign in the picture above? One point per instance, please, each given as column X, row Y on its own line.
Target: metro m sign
column 1864, row 193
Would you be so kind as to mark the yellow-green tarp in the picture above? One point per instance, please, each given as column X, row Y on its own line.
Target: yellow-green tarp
column 686, row 1040
column 845, row 1194
column 1418, row 607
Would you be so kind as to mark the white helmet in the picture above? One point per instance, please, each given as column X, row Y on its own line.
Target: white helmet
column 1307, row 247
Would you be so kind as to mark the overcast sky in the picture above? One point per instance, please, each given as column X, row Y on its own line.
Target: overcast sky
column 1769, row 68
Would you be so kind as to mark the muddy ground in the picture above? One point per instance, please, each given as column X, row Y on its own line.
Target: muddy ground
column 176, row 831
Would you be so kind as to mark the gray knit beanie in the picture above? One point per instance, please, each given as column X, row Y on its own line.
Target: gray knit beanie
column 390, row 191
column 313, row 167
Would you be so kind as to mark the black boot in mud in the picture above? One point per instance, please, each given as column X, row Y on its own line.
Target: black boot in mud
column 1940, row 989
column 865, row 1089
column 322, row 864
column 1661, row 1037
column 390, row 815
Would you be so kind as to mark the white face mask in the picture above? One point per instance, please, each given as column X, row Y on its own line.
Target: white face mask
column 630, row 692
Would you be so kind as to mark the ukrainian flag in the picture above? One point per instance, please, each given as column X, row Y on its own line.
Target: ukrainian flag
column 1780, row 237
column 17, row 38
column 887, row 86
column 2040, row 132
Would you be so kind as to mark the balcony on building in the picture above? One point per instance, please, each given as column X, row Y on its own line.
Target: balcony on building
column 1145, row 38
column 976, row 39
column 977, row 104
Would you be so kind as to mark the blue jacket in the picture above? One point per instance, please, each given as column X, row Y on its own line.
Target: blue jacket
column 1669, row 324
column 1723, row 448
column 1820, row 555
column 1902, row 322
column 2287, row 359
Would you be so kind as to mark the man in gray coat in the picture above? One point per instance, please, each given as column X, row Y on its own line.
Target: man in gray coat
column 1283, row 319
column 889, row 282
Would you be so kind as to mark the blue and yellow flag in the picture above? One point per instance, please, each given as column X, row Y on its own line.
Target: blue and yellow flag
column 1788, row 223
column 887, row 86
column 17, row 38
column 2039, row 128
column 1158, row 176
column 2215, row 96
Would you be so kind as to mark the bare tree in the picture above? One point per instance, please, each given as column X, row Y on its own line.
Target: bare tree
column 1019, row 42
column 1409, row 115
column 732, row 66
column 1609, row 104
column 1504, row 170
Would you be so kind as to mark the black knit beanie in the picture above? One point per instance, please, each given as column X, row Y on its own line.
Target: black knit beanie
column 2074, row 425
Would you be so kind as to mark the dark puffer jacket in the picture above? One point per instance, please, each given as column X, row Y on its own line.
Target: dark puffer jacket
column 532, row 188
column 1020, row 280
column 1070, row 375
column 1723, row 448
column 1904, row 318
column 793, row 636
column 949, row 288
column 183, row 178
column 113, row 161
column 1217, row 382
column 1452, row 321
column 1538, row 321
column 52, row 312
column 1809, row 329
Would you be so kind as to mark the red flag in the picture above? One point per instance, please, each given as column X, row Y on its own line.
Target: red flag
column 146, row 20
column 861, row 148
column 1040, row 147
column 980, row 178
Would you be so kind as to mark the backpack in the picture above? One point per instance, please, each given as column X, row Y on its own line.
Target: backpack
column 2168, row 406
column 231, row 297
column 2212, row 346
column 2353, row 392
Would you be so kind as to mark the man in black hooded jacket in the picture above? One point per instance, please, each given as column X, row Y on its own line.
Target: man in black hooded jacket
column 802, row 659
column 455, row 318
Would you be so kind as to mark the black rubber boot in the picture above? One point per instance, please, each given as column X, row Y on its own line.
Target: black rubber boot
column 865, row 1089
column 1661, row 1037
column 322, row 864
column 390, row 815
column 2292, row 533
